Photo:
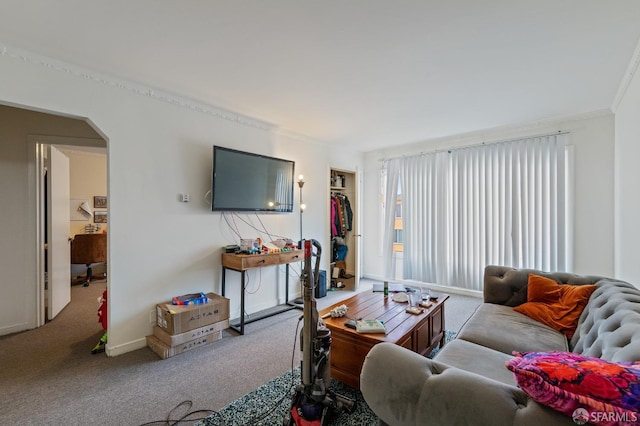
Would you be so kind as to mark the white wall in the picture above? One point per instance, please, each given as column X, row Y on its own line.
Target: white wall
column 627, row 128
column 87, row 178
column 159, row 146
column 593, row 139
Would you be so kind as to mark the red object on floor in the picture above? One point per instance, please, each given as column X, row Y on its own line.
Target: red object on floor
column 301, row 421
column 102, row 311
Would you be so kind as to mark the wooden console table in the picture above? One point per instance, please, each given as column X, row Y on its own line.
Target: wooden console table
column 419, row 333
column 243, row 262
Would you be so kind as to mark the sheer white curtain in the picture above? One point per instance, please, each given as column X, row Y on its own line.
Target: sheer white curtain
column 391, row 194
column 502, row 203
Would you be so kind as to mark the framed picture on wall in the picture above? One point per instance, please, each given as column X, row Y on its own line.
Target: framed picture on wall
column 99, row 202
column 100, row 217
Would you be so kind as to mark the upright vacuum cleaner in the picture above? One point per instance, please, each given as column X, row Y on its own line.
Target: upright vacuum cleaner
column 313, row 403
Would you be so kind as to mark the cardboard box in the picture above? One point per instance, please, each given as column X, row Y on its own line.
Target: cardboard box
column 176, row 339
column 165, row 351
column 176, row 319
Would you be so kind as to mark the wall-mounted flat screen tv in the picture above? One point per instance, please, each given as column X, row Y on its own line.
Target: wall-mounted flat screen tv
column 243, row 181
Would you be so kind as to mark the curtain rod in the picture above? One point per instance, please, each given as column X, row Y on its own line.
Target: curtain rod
column 559, row 132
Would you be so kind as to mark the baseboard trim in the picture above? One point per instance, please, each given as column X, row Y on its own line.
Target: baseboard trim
column 15, row 328
column 126, row 347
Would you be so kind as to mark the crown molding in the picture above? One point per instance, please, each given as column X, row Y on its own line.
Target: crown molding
column 299, row 137
column 129, row 86
column 627, row 78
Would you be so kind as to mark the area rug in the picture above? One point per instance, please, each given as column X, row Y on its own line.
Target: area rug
column 268, row 404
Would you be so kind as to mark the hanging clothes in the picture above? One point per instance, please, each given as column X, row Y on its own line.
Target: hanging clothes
column 341, row 224
column 342, row 230
column 347, row 212
column 337, row 229
column 334, row 217
column 341, row 215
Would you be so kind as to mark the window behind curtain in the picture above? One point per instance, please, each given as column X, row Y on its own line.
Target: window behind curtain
column 503, row 203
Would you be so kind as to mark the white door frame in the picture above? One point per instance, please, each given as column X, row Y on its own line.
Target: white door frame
column 357, row 178
column 36, row 149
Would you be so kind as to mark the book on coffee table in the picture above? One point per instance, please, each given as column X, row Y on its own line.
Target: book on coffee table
column 370, row 326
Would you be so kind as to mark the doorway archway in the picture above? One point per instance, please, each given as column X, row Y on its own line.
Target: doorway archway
column 23, row 129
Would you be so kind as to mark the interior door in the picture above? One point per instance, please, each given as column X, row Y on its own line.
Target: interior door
column 347, row 183
column 58, row 253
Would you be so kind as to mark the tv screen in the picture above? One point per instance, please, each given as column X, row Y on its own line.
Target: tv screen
column 243, row 181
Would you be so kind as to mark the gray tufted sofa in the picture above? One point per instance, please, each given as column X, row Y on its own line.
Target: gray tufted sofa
column 468, row 384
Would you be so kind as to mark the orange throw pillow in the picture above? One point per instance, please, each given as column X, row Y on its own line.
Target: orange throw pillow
column 557, row 305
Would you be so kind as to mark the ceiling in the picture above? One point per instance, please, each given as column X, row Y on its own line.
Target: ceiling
column 364, row 73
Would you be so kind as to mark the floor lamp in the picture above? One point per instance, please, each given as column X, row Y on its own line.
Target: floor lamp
column 299, row 300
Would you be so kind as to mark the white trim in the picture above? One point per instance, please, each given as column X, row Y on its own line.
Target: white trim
column 135, row 88
column 291, row 134
column 85, row 151
column 356, row 233
column 36, row 188
column 634, row 63
column 37, row 148
column 15, row 328
column 126, row 347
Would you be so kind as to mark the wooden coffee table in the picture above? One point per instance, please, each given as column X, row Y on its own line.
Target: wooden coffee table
column 419, row 333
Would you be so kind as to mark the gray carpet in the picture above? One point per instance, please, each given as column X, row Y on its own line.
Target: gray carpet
column 48, row 376
column 268, row 404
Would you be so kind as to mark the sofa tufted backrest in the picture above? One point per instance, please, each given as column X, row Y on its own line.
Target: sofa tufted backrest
column 504, row 285
column 609, row 327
